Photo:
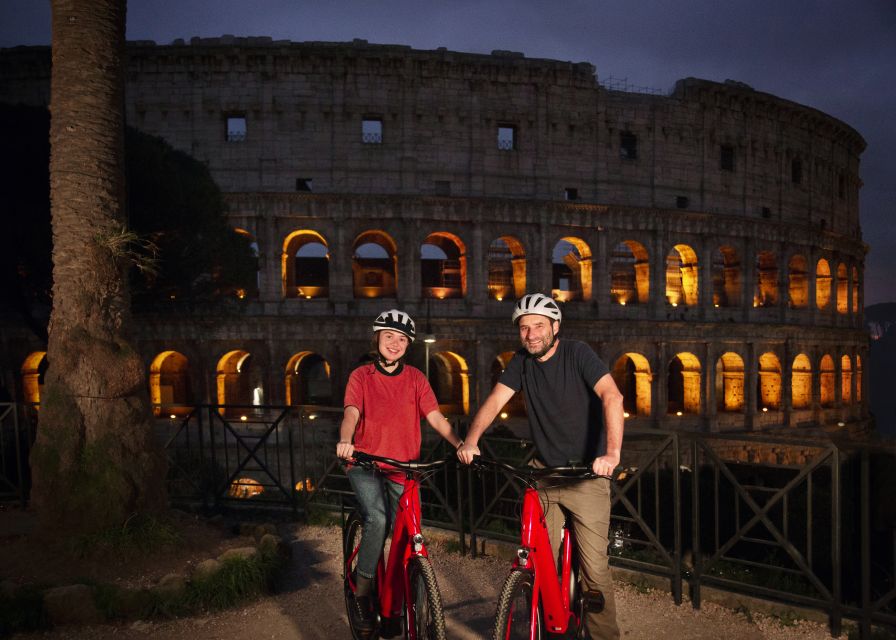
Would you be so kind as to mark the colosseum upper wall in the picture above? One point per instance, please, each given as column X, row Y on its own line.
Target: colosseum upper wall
column 707, row 242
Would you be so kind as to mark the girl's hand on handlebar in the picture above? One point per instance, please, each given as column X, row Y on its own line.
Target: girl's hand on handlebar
column 466, row 452
column 345, row 450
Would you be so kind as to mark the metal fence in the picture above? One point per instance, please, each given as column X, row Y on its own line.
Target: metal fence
column 805, row 522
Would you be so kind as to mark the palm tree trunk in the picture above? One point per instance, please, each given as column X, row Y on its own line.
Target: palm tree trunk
column 95, row 461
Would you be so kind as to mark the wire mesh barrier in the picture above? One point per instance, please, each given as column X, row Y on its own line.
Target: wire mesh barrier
column 806, row 522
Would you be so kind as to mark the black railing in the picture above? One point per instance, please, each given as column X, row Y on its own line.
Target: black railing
column 806, row 522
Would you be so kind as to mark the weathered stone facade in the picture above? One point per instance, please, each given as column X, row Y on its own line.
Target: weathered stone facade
column 706, row 242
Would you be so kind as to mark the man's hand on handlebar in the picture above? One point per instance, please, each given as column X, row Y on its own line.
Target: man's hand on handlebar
column 605, row 465
column 466, row 452
column 345, row 450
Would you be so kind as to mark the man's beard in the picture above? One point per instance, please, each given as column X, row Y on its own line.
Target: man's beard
column 545, row 349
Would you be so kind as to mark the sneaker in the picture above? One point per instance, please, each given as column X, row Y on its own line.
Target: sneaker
column 361, row 614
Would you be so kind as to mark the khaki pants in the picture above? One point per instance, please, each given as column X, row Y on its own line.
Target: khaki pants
column 588, row 504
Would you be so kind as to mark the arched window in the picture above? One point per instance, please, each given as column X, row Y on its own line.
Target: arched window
column 768, row 396
column 253, row 244
column 516, row 407
column 858, row 378
column 571, row 270
column 855, row 290
column 684, row 384
column 629, row 273
column 846, row 379
column 450, row 380
column 443, row 266
column 766, row 293
column 237, row 384
column 730, row 383
column 506, row 269
column 725, row 277
column 828, row 380
column 842, row 288
column 682, row 284
column 798, row 285
column 374, row 265
column 307, row 379
column 801, row 382
column 822, row 284
column 33, row 370
column 632, row 375
column 306, row 265
column 169, row 384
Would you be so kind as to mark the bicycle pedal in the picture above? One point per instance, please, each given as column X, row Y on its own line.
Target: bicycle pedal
column 593, row 601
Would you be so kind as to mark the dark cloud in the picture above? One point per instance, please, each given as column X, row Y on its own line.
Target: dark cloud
column 832, row 55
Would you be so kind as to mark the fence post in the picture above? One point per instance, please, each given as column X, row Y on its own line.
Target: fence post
column 676, row 499
column 292, row 460
column 695, row 524
column 836, row 619
column 865, row 533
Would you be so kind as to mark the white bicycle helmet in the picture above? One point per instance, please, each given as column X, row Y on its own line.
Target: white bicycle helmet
column 538, row 304
column 396, row 321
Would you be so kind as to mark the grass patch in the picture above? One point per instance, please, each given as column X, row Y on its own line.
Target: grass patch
column 238, row 580
column 143, row 534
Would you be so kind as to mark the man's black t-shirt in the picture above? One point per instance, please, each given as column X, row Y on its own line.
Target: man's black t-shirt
column 565, row 415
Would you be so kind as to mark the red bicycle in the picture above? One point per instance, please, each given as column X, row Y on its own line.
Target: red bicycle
column 535, row 600
column 405, row 584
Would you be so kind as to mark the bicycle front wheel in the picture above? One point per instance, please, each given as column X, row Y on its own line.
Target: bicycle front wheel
column 351, row 538
column 514, row 620
column 425, row 619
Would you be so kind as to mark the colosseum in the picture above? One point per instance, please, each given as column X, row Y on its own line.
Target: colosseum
column 705, row 242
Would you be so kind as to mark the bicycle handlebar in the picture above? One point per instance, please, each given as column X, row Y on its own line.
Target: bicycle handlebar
column 364, row 459
column 567, row 472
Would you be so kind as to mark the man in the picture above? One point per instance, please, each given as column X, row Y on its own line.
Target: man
column 575, row 412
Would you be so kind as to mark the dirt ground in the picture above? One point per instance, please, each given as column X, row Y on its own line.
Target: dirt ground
column 309, row 604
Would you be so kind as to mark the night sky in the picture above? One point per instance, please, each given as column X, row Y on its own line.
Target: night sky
column 838, row 56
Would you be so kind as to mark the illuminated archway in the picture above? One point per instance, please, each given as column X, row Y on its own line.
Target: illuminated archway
column 801, row 382
column 828, row 380
column 169, row 384
column 725, row 277
column 33, row 370
column 245, row 488
column 516, row 406
column 822, row 284
column 571, row 270
column 855, row 290
column 846, row 379
column 506, row 269
column 443, row 266
column 768, row 395
column 729, row 383
column 682, row 281
column 305, row 265
column 684, row 384
column 766, row 293
column 450, row 381
column 858, row 378
column 234, row 383
column 842, row 288
column 798, row 282
column 307, row 379
column 374, row 265
column 632, row 375
column 253, row 245
column 629, row 273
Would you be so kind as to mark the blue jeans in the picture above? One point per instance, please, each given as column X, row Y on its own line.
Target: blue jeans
column 373, row 491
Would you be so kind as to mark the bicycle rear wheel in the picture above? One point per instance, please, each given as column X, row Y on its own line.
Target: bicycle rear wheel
column 513, row 620
column 351, row 538
column 425, row 618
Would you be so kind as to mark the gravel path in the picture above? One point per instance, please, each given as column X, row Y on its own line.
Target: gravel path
column 310, row 606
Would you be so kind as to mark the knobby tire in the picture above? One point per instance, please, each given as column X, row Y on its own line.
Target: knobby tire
column 424, row 601
column 351, row 537
column 514, row 609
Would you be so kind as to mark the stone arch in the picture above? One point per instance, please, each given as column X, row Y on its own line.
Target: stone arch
column 450, row 381
column 729, row 382
column 506, row 269
column 632, row 375
column 374, row 265
column 842, row 289
column 571, row 270
column 801, row 382
column 33, row 370
column 726, row 277
column 822, row 284
column 305, row 265
column 234, row 383
column 516, row 406
column 684, row 384
column 768, row 395
column 253, row 244
column 443, row 266
column 682, row 276
column 798, row 281
column 169, row 384
column 855, row 289
column 307, row 379
column 766, row 292
column 846, row 379
column 629, row 273
column 828, row 380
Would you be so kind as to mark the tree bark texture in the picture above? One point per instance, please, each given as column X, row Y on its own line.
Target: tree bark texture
column 95, row 461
